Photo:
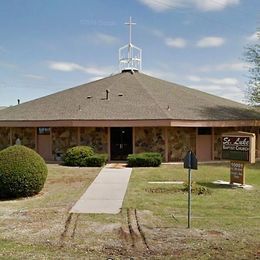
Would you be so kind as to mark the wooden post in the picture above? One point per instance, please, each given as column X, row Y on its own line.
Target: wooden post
column 11, row 136
column 196, row 142
column 212, row 143
column 258, row 143
column 78, row 135
column 51, row 144
column 108, row 144
column 133, row 138
column 166, row 144
column 36, row 139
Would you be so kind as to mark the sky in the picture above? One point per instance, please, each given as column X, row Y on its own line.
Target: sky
column 50, row 45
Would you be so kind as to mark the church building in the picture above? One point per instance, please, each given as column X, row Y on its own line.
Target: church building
column 126, row 113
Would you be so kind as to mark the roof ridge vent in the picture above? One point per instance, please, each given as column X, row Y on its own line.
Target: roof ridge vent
column 130, row 56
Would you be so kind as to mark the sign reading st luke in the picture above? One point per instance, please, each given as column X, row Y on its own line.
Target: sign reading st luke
column 238, row 147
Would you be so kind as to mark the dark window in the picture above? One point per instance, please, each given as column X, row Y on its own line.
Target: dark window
column 43, row 131
column 204, row 131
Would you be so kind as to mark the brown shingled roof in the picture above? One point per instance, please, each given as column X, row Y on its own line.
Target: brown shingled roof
column 132, row 96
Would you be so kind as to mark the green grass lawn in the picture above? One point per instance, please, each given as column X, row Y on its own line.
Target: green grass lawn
column 232, row 216
column 225, row 223
column 224, row 204
column 32, row 227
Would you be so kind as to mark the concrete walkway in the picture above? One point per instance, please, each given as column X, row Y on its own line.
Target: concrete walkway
column 106, row 193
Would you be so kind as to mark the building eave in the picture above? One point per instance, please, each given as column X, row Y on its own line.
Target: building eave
column 85, row 123
column 129, row 123
column 215, row 123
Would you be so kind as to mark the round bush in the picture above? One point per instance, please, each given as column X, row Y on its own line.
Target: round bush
column 22, row 172
column 77, row 155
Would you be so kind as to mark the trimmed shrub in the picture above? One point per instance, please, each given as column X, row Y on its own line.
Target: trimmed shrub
column 22, row 172
column 96, row 160
column 84, row 156
column 76, row 156
column 144, row 160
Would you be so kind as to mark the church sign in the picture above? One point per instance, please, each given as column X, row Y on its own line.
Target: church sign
column 239, row 148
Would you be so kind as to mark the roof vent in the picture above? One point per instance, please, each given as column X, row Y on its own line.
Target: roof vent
column 120, row 94
column 130, row 56
column 89, row 97
column 107, row 94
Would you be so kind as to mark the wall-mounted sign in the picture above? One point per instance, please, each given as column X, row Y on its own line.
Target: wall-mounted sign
column 237, row 172
column 238, row 146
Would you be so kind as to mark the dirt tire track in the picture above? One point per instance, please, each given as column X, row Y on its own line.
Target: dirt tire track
column 130, row 228
column 137, row 237
column 141, row 231
column 70, row 228
column 67, row 223
column 75, row 226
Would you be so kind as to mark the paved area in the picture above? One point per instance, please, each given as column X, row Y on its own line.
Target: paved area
column 233, row 185
column 106, row 193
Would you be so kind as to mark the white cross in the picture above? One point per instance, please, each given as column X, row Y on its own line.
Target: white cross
column 130, row 29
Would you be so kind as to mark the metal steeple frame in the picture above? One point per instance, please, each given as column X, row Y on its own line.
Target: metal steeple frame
column 130, row 56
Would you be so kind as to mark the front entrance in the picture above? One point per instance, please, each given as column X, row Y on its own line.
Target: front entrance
column 204, row 144
column 44, row 143
column 121, row 143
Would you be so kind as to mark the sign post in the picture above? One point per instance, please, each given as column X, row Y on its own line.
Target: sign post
column 189, row 199
column 190, row 162
column 238, row 147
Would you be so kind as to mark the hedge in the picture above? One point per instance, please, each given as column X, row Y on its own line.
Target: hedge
column 96, row 160
column 76, row 156
column 23, row 172
column 144, row 160
column 84, row 156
